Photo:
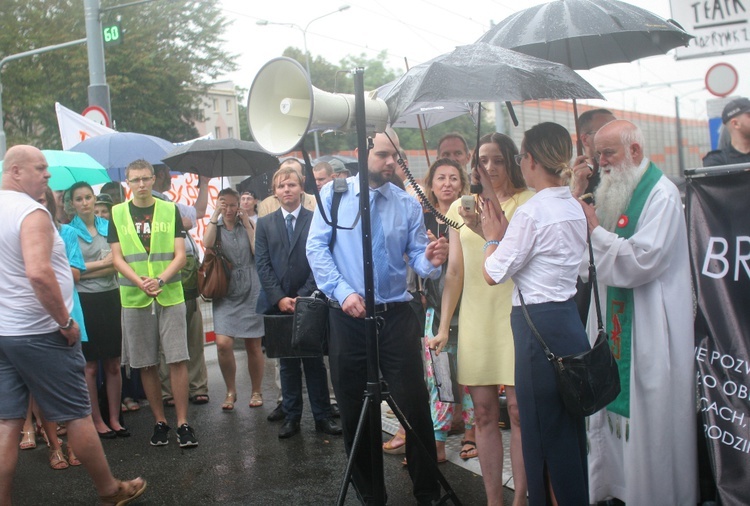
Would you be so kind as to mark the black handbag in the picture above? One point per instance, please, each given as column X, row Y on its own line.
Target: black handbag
column 310, row 327
column 590, row 380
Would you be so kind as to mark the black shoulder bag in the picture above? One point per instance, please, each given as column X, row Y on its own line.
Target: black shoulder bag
column 590, row 380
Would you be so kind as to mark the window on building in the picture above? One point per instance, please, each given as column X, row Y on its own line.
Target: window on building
column 229, row 107
column 217, row 132
column 230, row 132
column 216, row 105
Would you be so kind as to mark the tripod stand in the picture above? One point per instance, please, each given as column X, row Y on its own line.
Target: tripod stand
column 376, row 391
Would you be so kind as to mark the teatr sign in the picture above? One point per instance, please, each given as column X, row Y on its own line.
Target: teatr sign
column 720, row 26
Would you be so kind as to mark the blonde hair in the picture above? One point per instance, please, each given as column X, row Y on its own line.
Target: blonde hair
column 550, row 145
column 284, row 172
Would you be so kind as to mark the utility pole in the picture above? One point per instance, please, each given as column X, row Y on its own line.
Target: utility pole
column 98, row 91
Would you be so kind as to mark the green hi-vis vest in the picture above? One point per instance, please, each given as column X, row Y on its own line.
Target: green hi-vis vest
column 148, row 264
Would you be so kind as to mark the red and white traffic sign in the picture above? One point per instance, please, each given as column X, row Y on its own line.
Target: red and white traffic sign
column 721, row 79
column 97, row 115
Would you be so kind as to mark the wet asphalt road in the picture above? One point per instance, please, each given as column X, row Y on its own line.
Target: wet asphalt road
column 239, row 460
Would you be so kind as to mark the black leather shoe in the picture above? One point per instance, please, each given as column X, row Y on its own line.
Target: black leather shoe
column 277, row 414
column 335, row 413
column 328, row 426
column 289, row 429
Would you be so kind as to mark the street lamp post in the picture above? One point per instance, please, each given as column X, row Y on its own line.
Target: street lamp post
column 265, row 22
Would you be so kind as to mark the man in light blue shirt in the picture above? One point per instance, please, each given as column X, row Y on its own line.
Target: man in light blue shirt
column 398, row 236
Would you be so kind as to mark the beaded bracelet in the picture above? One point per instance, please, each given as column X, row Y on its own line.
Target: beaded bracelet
column 489, row 243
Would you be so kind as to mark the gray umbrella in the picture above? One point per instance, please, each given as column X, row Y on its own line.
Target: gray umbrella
column 584, row 34
column 484, row 73
column 221, row 157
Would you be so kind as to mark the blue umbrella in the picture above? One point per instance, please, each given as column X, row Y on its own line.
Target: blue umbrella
column 115, row 151
column 69, row 167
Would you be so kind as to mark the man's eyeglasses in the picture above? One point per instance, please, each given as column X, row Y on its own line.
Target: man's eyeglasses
column 519, row 157
column 139, row 180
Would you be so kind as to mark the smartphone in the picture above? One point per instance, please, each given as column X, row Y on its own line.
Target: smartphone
column 468, row 202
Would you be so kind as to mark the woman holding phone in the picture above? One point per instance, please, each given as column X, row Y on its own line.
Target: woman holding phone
column 485, row 340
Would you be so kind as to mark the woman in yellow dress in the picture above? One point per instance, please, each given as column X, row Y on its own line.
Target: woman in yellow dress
column 485, row 341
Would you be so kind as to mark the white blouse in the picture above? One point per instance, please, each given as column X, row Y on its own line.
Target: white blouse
column 542, row 248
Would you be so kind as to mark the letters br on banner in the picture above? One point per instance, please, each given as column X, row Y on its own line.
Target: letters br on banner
column 720, row 26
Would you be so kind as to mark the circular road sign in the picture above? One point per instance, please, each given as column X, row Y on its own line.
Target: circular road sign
column 96, row 114
column 721, row 79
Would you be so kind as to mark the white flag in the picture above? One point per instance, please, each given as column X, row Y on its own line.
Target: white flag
column 75, row 128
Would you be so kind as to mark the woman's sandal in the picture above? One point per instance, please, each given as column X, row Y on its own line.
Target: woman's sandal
column 126, row 492
column 131, row 404
column 72, row 459
column 391, row 448
column 228, row 404
column 470, row 452
column 256, row 400
column 57, row 460
column 28, row 441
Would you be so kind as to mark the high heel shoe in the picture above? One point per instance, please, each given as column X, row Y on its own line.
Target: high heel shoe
column 28, row 441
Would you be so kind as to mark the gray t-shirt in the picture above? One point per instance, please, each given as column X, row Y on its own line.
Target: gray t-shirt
column 96, row 250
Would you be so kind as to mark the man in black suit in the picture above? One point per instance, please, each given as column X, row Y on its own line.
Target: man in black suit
column 284, row 273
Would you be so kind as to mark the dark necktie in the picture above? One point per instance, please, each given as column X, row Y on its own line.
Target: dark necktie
column 289, row 227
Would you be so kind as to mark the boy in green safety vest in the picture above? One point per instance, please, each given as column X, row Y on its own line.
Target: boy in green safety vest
column 148, row 251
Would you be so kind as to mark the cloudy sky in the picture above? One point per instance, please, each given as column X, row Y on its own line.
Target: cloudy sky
column 419, row 30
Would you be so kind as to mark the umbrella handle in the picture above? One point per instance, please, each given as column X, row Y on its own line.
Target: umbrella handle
column 579, row 142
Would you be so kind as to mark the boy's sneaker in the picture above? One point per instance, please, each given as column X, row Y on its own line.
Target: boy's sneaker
column 161, row 434
column 186, row 436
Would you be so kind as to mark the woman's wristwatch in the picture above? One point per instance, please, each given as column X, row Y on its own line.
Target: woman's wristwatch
column 68, row 324
column 160, row 281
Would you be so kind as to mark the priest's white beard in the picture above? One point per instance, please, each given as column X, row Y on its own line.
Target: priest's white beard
column 614, row 192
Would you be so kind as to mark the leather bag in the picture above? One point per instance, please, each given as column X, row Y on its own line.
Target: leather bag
column 590, row 380
column 215, row 272
column 310, row 327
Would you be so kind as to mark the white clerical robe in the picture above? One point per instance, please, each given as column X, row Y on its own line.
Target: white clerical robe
column 657, row 464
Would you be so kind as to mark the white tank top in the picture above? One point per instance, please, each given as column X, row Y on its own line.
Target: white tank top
column 21, row 313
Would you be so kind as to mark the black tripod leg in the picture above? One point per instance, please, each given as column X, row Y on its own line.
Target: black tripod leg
column 353, row 454
column 411, row 435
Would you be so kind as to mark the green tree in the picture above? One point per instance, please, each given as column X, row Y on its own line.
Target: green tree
column 171, row 51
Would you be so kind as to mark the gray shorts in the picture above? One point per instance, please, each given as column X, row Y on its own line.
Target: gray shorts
column 45, row 366
column 145, row 330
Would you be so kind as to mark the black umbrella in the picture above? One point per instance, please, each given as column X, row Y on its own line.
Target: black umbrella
column 583, row 34
column 221, row 157
column 484, row 73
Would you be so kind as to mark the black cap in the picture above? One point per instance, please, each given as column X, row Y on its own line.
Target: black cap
column 735, row 108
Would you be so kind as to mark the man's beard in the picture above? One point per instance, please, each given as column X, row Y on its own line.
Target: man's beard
column 615, row 191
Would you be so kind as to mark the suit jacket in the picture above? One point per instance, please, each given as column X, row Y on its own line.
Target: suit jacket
column 282, row 267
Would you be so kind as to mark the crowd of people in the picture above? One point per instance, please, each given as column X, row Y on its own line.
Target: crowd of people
column 456, row 276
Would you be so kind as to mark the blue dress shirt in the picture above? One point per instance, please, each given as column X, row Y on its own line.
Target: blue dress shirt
column 340, row 273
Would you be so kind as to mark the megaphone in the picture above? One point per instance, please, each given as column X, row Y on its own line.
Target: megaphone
column 283, row 106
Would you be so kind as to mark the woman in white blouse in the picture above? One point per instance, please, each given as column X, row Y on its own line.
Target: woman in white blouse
column 541, row 250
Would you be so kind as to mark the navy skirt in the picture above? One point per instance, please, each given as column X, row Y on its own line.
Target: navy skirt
column 553, row 440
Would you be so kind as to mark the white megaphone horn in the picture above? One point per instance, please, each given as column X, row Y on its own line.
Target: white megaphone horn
column 283, row 106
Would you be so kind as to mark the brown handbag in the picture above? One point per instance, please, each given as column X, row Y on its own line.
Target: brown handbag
column 215, row 272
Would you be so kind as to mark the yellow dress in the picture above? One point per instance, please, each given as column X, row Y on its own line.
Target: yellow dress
column 485, row 341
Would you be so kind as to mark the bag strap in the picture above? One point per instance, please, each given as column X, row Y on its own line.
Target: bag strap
column 337, row 196
column 550, row 356
column 594, row 285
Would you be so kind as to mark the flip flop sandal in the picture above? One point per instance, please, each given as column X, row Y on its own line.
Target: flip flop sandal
column 72, row 459
column 132, row 405
column 28, row 442
column 392, row 449
column 256, row 400
column 468, row 453
column 168, row 402
column 199, row 399
column 57, row 460
column 228, row 404
column 126, row 492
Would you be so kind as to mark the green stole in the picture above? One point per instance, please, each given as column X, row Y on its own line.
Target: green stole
column 620, row 300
